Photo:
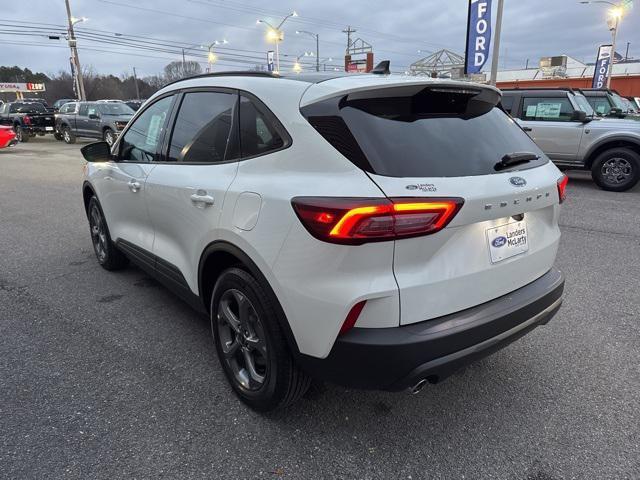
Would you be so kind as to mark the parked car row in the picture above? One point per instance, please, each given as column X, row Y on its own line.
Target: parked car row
column 565, row 124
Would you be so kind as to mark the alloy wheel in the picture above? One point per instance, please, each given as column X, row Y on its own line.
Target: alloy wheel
column 18, row 132
column 242, row 339
column 98, row 233
column 108, row 137
column 617, row 170
column 66, row 135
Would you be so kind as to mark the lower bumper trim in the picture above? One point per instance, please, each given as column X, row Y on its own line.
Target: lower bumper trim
column 398, row 358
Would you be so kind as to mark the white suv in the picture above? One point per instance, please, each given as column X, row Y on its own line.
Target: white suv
column 369, row 230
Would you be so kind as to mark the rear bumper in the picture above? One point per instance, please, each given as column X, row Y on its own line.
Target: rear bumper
column 398, row 358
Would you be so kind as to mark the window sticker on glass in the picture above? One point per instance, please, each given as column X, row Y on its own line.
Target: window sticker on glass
column 531, row 110
column 549, row 110
column 154, row 130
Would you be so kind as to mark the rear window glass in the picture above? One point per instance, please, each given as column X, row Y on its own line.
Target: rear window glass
column 428, row 133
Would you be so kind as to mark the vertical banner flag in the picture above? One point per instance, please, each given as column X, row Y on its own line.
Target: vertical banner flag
column 603, row 64
column 270, row 61
column 478, row 35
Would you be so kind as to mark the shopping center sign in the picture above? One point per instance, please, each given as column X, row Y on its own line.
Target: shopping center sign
column 478, row 35
column 21, row 87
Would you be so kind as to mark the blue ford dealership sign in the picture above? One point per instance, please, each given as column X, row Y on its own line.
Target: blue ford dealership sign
column 603, row 64
column 478, row 35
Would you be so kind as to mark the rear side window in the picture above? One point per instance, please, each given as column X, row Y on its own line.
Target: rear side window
column 83, row 110
column 204, row 130
column 258, row 131
column 421, row 132
column 552, row 109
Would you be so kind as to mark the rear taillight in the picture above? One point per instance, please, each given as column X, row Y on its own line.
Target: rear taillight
column 562, row 187
column 27, row 120
column 354, row 221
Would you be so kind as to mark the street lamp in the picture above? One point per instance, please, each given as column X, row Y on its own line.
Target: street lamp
column 297, row 67
column 212, row 57
column 615, row 15
column 183, row 55
column 317, row 37
column 276, row 35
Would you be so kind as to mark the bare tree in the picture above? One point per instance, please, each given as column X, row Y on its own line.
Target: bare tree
column 177, row 70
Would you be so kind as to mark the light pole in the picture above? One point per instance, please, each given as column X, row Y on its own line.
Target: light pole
column 211, row 57
column 615, row 15
column 496, row 44
column 317, row 37
column 183, row 56
column 74, row 51
column 296, row 66
column 276, row 35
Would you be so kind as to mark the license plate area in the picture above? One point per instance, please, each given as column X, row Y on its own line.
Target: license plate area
column 507, row 240
column 49, row 129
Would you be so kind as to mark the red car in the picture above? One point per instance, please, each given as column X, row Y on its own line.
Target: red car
column 7, row 137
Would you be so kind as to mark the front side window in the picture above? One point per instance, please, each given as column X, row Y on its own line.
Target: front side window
column 258, row 133
column 140, row 142
column 204, row 129
column 115, row 108
column 584, row 104
column 92, row 110
column 551, row 109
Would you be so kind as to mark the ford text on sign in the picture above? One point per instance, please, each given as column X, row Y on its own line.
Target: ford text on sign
column 478, row 35
column 603, row 64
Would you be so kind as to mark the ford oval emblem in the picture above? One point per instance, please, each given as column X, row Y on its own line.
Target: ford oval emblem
column 499, row 242
column 518, row 181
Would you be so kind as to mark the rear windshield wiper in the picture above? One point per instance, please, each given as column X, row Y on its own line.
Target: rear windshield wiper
column 515, row 158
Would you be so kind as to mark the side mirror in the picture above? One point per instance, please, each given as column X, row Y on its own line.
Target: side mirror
column 94, row 116
column 616, row 112
column 580, row 116
column 97, row 152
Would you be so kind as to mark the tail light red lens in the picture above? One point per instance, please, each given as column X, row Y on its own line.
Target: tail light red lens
column 27, row 120
column 352, row 317
column 354, row 221
column 562, row 187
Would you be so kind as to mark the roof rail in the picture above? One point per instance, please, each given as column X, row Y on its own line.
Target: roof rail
column 239, row 73
column 568, row 89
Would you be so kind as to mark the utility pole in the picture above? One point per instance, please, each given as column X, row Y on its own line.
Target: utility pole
column 496, row 44
column 74, row 55
column 349, row 31
column 135, row 79
column 626, row 55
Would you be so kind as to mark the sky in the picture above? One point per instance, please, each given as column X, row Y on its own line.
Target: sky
column 400, row 31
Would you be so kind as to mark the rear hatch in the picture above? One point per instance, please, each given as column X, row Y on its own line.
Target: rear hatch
column 450, row 141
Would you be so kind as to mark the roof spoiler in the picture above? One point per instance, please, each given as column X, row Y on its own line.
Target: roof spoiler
column 382, row 68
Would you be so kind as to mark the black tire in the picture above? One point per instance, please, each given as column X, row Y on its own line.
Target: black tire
column 108, row 136
column 68, row 136
column 616, row 170
column 258, row 335
column 108, row 255
column 21, row 136
column 57, row 135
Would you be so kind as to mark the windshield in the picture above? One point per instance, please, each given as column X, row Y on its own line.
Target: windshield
column 618, row 101
column 584, row 104
column 115, row 109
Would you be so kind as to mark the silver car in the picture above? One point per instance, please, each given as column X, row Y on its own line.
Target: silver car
column 565, row 126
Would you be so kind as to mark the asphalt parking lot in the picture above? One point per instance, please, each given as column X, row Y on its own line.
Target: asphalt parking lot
column 107, row 375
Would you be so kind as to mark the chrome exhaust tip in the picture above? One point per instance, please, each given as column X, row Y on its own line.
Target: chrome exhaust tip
column 418, row 386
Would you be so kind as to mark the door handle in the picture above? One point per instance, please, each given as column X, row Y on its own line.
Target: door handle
column 205, row 199
column 133, row 186
column 527, row 129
